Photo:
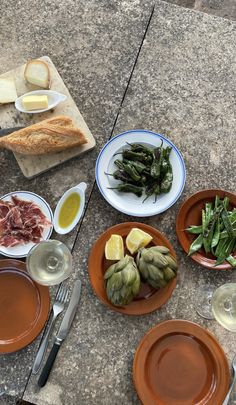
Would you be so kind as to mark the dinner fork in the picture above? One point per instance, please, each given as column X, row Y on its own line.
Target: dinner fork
column 58, row 306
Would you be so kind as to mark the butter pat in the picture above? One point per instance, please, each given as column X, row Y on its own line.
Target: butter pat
column 35, row 102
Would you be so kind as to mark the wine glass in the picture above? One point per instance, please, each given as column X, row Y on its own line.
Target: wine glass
column 49, row 262
column 219, row 304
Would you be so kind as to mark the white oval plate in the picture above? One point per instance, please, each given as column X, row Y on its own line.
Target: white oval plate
column 54, row 98
column 129, row 203
column 23, row 249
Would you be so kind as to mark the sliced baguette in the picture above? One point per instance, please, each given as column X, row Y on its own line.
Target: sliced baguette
column 44, row 138
column 37, row 72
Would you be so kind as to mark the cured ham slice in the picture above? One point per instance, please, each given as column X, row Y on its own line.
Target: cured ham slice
column 21, row 222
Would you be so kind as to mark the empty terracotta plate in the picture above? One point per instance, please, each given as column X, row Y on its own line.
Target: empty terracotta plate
column 190, row 213
column 180, row 363
column 148, row 299
column 24, row 306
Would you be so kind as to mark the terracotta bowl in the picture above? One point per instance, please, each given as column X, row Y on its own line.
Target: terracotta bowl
column 24, row 306
column 190, row 213
column 148, row 299
column 180, row 363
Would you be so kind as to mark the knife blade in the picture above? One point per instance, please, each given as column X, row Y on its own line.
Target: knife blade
column 62, row 333
column 7, row 131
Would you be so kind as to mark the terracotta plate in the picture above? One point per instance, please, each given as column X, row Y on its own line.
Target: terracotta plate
column 190, row 214
column 24, row 306
column 148, row 299
column 180, row 363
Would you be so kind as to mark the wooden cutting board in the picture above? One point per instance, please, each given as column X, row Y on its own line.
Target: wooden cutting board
column 32, row 166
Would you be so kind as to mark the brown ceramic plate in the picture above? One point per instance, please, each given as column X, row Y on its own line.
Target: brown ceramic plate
column 190, row 213
column 24, row 306
column 148, row 299
column 180, row 363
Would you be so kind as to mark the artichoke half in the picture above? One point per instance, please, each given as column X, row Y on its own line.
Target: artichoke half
column 122, row 281
column 156, row 265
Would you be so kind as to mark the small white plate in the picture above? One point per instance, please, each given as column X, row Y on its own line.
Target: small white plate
column 23, row 249
column 129, row 203
column 54, row 98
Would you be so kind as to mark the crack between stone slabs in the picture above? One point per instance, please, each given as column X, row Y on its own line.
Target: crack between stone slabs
column 94, row 183
column 117, row 116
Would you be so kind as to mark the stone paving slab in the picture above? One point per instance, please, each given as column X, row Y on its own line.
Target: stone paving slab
column 183, row 87
column 220, row 8
column 94, row 46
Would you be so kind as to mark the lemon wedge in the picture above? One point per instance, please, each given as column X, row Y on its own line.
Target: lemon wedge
column 137, row 239
column 114, row 248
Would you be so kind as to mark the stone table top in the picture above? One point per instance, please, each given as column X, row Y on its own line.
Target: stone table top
column 182, row 86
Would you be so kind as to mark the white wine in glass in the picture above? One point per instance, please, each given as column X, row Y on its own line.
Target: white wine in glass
column 220, row 305
column 49, row 262
column 223, row 306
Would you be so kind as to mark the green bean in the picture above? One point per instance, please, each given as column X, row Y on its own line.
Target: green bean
column 196, row 245
column 227, row 223
column 225, row 252
column 221, row 246
column 211, row 223
column 216, row 234
column 195, row 229
column 217, row 201
column 226, row 202
column 231, row 260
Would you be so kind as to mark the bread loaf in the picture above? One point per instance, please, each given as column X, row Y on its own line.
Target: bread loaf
column 48, row 136
column 37, row 72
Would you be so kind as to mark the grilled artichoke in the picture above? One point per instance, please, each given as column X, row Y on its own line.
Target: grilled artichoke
column 156, row 265
column 122, row 281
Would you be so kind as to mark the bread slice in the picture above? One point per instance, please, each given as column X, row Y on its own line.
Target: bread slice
column 37, row 72
column 44, row 137
column 8, row 92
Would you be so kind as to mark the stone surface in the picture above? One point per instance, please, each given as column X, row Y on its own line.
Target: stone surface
column 94, row 47
column 183, row 87
column 221, row 8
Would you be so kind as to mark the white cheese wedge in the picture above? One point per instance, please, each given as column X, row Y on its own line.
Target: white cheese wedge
column 8, row 92
column 35, row 102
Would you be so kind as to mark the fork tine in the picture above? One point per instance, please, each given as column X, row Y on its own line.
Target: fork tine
column 63, row 294
column 59, row 291
column 66, row 296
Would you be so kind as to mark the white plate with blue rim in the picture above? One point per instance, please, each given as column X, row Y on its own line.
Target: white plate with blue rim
column 129, row 203
column 22, row 249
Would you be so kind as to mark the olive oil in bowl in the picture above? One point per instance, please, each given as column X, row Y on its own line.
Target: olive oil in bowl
column 69, row 209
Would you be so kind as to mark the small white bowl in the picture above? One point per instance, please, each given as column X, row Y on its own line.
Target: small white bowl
column 80, row 190
column 54, row 98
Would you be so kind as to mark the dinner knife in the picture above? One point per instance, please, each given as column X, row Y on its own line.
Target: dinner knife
column 7, row 131
column 62, row 333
